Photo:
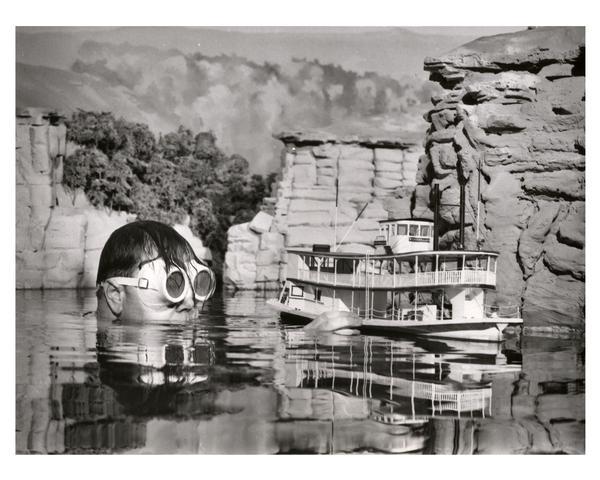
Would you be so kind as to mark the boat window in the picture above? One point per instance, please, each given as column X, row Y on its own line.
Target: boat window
column 401, row 229
column 345, row 265
column 317, row 294
column 449, row 263
column 297, row 291
column 425, row 265
column 327, row 264
column 406, row 266
column 492, row 264
column 482, row 263
column 425, row 230
column 414, row 230
column 470, row 263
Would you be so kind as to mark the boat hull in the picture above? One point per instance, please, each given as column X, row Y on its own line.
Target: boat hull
column 486, row 330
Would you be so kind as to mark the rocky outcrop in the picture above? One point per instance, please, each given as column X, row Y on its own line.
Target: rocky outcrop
column 59, row 234
column 378, row 172
column 513, row 110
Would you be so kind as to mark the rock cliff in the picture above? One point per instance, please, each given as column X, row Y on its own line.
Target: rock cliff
column 378, row 172
column 59, row 234
column 513, row 110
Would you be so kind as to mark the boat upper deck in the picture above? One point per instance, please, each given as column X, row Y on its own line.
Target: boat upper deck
column 425, row 269
column 422, row 253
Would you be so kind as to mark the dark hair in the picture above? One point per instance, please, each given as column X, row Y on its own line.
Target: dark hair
column 132, row 244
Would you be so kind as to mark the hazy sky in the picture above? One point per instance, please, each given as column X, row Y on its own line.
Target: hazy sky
column 448, row 30
column 477, row 31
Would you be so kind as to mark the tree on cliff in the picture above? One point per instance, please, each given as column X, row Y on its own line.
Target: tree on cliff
column 123, row 166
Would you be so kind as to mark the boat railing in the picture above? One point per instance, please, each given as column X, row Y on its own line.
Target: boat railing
column 403, row 280
column 502, row 311
column 398, row 314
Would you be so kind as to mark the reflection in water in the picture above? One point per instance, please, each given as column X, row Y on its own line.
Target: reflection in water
column 236, row 380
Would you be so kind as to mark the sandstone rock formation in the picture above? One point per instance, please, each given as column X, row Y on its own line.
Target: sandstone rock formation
column 59, row 233
column 378, row 172
column 513, row 110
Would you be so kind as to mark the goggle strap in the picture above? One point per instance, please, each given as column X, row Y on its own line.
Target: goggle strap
column 141, row 282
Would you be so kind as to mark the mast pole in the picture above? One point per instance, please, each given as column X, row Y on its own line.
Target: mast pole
column 478, row 201
column 436, row 216
column 462, row 215
column 337, row 194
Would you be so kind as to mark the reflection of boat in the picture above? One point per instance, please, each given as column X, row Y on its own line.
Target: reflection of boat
column 386, row 392
column 426, row 396
column 427, row 292
column 402, row 388
column 385, row 414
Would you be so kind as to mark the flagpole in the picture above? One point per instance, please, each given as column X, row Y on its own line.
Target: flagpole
column 337, row 194
column 336, row 213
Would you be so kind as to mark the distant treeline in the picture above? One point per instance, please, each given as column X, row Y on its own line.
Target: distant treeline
column 122, row 165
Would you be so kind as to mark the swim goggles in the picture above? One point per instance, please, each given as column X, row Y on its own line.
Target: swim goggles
column 172, row 284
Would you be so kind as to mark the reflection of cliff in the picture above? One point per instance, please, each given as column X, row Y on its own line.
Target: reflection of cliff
column 379, row 172
column 542, row 410
column 471, row 404
column 238, row 383
column 513, row 108
column 84, row 387
column 377, row 397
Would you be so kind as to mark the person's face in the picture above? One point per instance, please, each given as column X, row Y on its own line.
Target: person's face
column 148, row 304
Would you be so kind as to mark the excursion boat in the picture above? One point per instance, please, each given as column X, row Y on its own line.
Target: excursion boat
column 407, row 285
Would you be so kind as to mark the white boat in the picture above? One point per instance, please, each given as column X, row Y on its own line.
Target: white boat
column 406, row 286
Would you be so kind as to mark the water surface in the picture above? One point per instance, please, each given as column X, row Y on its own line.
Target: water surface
column 237, row 380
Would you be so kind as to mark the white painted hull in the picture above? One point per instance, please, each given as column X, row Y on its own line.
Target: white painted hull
column 485, row 329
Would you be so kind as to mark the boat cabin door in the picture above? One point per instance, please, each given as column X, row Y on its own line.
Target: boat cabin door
column 285, row 293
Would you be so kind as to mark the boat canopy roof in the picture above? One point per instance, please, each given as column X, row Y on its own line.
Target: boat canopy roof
column 413, row 220
column 422, row 253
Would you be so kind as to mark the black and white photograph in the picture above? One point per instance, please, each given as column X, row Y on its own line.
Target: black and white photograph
column 302, row 239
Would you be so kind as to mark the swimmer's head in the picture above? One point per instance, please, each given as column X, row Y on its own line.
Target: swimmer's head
column 148, row 271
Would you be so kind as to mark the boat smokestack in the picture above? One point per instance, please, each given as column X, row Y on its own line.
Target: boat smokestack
column 436, row 216
column 462, row 216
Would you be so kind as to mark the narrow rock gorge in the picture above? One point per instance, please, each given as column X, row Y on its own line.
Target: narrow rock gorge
column 378, row 173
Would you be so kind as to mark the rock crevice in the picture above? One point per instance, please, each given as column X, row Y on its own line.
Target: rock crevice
column 317, row 169
column 59, row 234
column 510, row 125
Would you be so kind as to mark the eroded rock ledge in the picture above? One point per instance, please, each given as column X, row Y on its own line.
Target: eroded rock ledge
column 379, row 172
column 514, row 110
column 59, row 234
